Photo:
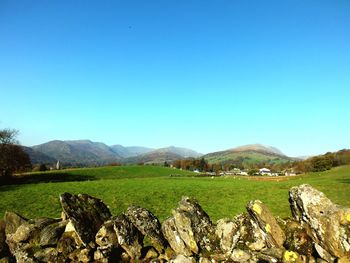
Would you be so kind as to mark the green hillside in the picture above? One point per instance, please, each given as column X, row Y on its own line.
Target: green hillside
column 245, row 157
column 153, row 188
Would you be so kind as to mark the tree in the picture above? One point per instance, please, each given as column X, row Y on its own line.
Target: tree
column 12, row 156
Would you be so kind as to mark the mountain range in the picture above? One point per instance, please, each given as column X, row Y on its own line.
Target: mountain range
column 86, row 152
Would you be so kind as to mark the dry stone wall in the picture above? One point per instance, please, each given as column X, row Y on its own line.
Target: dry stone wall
column 319, row 231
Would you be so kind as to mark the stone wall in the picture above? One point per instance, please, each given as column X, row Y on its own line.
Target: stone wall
column 319, row 231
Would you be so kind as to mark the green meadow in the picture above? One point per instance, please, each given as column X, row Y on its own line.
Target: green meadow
column 159, row 189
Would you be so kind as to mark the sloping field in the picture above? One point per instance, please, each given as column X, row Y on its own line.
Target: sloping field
column 153, row 188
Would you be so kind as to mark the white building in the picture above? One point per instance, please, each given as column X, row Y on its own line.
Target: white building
column 264, row 171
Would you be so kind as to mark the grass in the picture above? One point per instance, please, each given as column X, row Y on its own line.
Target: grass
column 153, row 188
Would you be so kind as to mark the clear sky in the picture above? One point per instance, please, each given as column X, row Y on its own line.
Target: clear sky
column 207, row 75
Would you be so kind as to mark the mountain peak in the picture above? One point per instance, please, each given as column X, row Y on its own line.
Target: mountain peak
column 259, row 148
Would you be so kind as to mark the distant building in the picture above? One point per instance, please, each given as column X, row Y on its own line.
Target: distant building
column 264, row 171
column 58, row 165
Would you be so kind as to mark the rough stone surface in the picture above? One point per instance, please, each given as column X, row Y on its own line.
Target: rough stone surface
column 267, row 223
column 251, row 237
column 329, row 223
column 171, row 233
column 86, row 214
column 183, row 259
column 298, row 238
column 106, row 237
column 228, row 233
column 12, row 222
column 50, row 235
column 148, row 224
column 128, row 236
column 194, row 225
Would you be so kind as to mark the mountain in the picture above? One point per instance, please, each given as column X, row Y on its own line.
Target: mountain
column 248, row 154
column 38, row 157
column 258, row 148
column 86, row 152
column 161, row 155
column 183, row 152
column 78, row 152
column 130, row 151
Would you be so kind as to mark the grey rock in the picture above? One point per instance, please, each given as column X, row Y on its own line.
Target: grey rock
column 128, row 236
column 171, row 233
column 329, row 223
column 251, row 236
column 50, row 235
column 298, row 238
column 81, row 255
column 12, row 222
column 48, row 255
column 239, row 255
column 149, row 225
column 86, row 214
column 5, row 260
column 194, row 226
column 228, row 233
column 106, row 238
column 183, row 259
column 68, row 242
column 267, row 223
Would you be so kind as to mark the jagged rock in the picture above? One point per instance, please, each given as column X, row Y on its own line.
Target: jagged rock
column 271, row 255
column 239, row 255
column 128, row 236
column 267, row 223
column 171, row 233
column 345, row 259
column 228, row 234
column 49, row 255
column 193, row 226
column 81, row 255
column 323, row 253
column 298, row 238
column 183, row 259
column 106, row 237
column 5, row 260
column 50, row 235
column 329, row 222
column 100, row 257
column 148, row 224
column 12, row 222
column 251, row 236
column 150, row 253
column 68, row 243
column 86, row 214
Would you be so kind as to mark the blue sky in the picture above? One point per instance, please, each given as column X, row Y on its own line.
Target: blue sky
column 208, row 75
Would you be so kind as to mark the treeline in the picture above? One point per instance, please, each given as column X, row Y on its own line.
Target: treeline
column 202, row 165
column 324, row 162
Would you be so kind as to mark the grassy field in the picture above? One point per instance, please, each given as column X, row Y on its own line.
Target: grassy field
column 153, row 188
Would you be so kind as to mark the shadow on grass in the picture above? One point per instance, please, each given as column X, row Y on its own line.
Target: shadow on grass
column 344, row 181
column 45, row 178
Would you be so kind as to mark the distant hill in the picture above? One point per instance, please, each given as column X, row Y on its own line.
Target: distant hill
column 86, row 152
column 164, row 154
column 258, row 148
column 248, row 154
column 130, row 151
column 37, row 157
column 79, row 152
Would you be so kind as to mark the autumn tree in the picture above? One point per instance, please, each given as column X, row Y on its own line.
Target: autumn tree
column 12, row 156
